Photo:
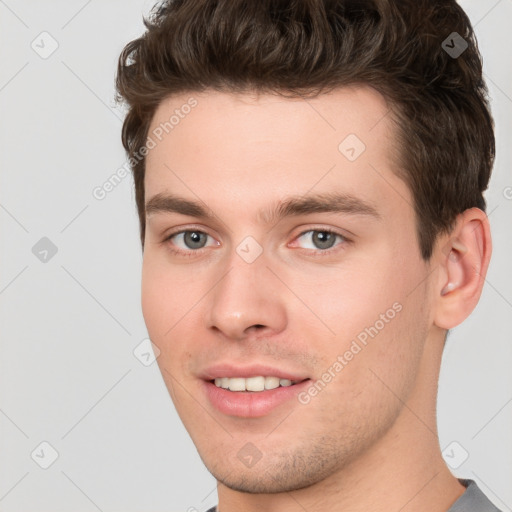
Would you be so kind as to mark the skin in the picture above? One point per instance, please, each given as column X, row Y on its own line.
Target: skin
column 368, row 440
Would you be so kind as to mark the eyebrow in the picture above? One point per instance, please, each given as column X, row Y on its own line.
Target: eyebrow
column 290, row 206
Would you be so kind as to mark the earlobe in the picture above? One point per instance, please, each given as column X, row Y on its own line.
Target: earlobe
column 464, row 260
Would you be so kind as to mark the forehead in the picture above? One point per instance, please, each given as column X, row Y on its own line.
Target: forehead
column 245, row 148
column 265, row 117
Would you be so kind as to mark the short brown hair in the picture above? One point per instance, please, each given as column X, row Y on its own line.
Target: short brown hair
column 302, row 48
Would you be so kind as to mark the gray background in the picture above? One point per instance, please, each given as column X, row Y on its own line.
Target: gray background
column 70, row 324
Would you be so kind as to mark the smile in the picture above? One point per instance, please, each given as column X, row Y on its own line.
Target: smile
column 245, row 398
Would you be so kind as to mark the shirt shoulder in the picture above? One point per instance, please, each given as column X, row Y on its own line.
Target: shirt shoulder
column 473, row 500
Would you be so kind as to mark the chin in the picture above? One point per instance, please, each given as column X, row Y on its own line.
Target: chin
column 291, row 473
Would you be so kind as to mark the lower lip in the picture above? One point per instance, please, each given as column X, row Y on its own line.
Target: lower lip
column 251, row 404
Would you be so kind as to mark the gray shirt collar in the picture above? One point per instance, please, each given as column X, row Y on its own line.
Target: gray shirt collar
column 473, row 500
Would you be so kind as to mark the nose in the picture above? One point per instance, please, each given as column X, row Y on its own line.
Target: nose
column 247, row 300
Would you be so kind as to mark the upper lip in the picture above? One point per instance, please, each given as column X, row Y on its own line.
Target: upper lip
column 253, row 370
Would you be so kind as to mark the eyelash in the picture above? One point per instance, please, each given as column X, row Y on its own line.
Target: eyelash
column 315, row 253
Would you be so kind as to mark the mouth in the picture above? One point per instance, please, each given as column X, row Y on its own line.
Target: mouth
column 252, row 397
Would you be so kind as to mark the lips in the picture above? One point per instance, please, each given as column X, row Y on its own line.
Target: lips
column 249, row 403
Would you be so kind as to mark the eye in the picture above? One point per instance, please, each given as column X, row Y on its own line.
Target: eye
column 188, row 241
column 321, row 240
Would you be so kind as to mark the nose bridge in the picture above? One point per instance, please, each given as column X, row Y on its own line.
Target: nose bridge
column 246, row 295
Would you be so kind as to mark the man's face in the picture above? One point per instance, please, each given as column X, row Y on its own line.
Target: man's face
column 241, row 294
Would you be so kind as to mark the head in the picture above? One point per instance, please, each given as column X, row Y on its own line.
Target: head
column 282, row 121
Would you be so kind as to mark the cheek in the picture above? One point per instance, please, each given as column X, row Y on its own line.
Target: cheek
column 350, row 299
column 161, row 304
column 359, row 381
column 151, row 299
column 367, row 315
column 169, row 302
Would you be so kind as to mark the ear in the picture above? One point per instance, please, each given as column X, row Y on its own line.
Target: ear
column 463, row 257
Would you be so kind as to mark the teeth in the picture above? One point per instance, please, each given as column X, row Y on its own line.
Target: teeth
column 271, row 382
column 252, row 383
column 237, row 384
